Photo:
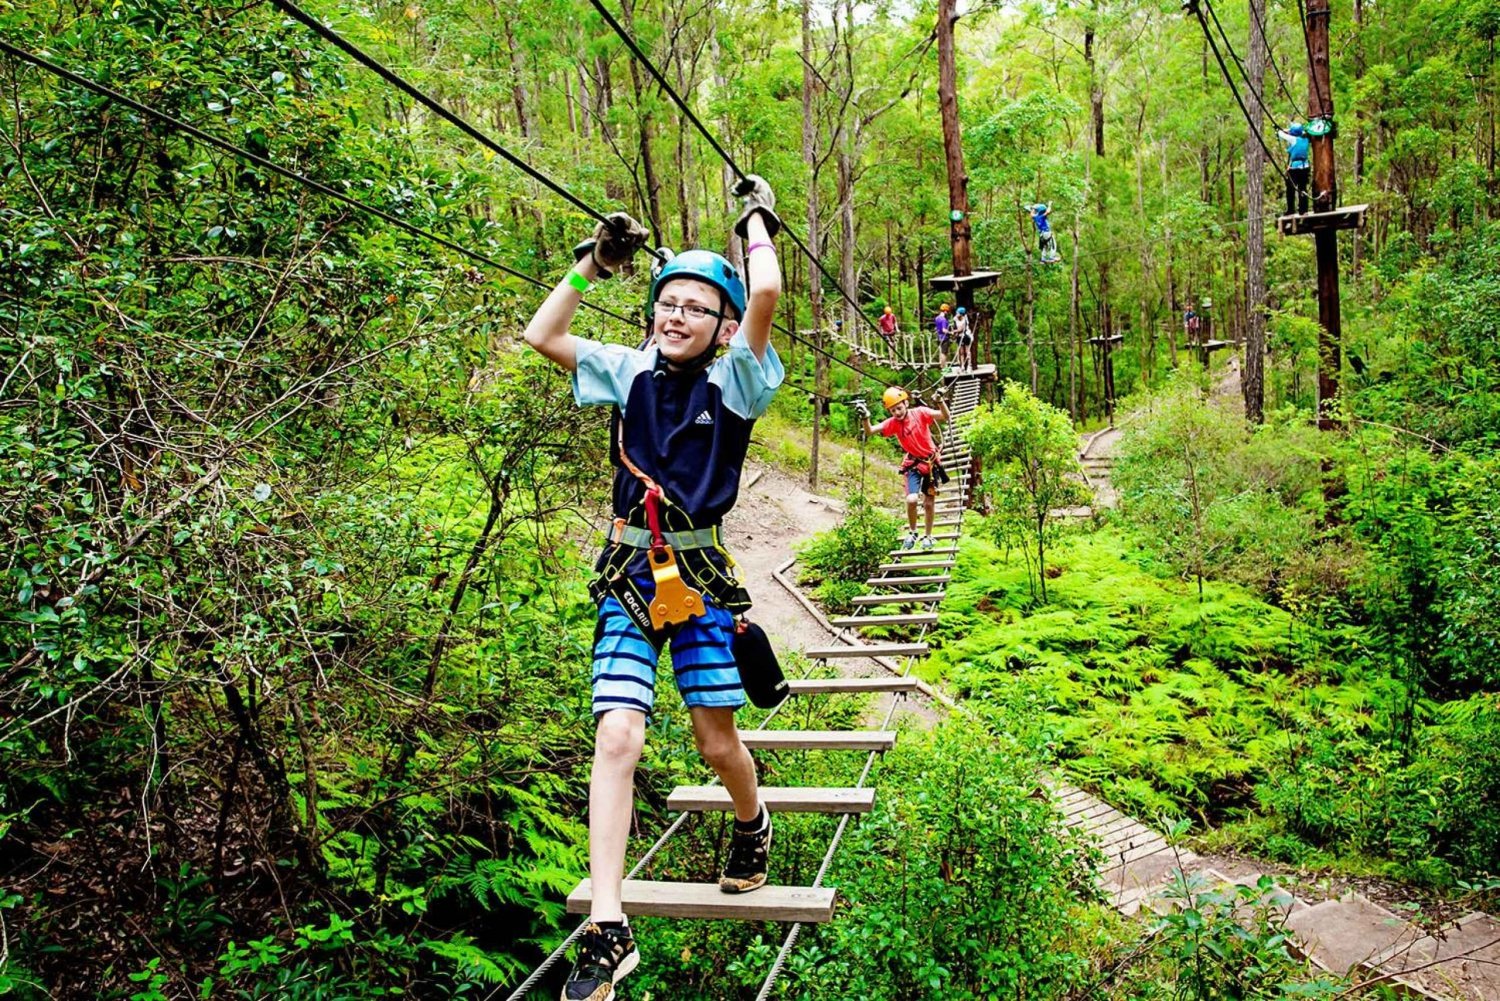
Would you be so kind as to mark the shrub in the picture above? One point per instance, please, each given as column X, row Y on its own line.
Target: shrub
column 852, row 550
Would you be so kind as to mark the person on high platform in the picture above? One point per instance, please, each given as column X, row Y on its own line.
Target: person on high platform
column 921, row 471
column 1298, row 166
column 963, row 333
column 684, row 409
column 940, row 326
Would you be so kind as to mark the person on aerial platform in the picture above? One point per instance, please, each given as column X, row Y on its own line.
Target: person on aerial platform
column 1298, row 166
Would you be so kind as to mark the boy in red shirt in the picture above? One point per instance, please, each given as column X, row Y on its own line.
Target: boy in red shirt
column 912, row 428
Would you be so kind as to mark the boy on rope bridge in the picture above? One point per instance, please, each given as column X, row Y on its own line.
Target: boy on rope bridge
column 888, row 329
column 1298, row 151
column 940, row 327
column 1046, row 242
column 911, row 426
column 684, row 406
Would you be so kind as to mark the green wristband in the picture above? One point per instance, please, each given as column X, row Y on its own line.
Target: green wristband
column 579, row 282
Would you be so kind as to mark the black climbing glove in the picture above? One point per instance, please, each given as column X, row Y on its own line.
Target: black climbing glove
column 757, row 197
column 861, row 407
column 614, row 242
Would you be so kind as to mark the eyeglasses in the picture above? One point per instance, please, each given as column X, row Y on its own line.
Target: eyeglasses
column 692, row 311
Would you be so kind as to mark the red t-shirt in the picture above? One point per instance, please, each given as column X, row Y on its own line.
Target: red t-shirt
column 914, row 431
column 888, row 323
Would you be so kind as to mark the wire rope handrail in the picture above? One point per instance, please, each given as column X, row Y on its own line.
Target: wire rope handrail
column 729, row 161
column 1224, row 71
column 286, row 172
column 795, row 930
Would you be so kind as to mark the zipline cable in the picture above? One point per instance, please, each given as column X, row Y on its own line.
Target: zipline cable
column 712, row 141
column 395, row 80
column 1271, row 58
column 433, row 105
column 1244, row 73
column 1224, row 70
column 289, row 174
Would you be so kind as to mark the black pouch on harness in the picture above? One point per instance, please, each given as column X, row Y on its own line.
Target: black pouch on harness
column 760, row 673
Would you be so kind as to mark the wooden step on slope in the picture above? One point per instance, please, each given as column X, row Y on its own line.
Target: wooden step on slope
column 1350, row 931
column 866, row 650
column 916, row 551
column 706, row 900
column 907, row 581
column 869, row 621
column 819, row 740
column 851, row 686
column 777, row 799
column 908, row 598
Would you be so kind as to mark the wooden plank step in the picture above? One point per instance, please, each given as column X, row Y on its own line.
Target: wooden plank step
column 706, row 900
column 907, row 581
column 819, row 740
column 932, row 565
column 910, row 598
column 918, row 551
column 857, row 686
column 866, row 621
column 868, row 650
column 794, row 799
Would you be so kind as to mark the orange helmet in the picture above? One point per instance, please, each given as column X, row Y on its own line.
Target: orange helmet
column 943, row 308
column 887, row 311
column 892, row 396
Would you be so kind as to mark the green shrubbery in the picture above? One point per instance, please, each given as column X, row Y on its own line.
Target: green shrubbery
column 839, row 561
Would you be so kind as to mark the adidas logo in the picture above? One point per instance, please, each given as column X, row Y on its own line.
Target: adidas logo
column 704, row 418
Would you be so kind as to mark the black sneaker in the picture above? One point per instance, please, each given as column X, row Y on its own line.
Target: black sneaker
column 749, row 857
column 605, row 956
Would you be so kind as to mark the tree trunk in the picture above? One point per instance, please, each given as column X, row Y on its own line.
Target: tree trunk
column 648, row 165
column 1073, row 333
column 814, row 286
column 1252, row 375
column 1096, row 85
column 958, row 181
column 518, row 93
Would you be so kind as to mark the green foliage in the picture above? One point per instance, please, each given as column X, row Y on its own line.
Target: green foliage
column 1226, row 941
column 842, row 558
column 1030, row 457
column 1227, row 709
column 960, row 883
column 1213, row 496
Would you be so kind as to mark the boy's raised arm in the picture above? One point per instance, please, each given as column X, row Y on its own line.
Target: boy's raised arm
column 757, row 225
column 612, row 245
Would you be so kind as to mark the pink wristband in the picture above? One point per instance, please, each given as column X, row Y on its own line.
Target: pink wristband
column 758, row 246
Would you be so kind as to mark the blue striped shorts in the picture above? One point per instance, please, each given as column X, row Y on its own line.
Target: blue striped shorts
column 702, row 659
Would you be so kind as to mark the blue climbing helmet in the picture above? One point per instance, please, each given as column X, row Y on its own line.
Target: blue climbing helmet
column 962, row 311
column 704, row 266
column 1296, row 129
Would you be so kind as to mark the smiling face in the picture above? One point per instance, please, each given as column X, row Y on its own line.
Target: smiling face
column 681, row 338
column 900, row 409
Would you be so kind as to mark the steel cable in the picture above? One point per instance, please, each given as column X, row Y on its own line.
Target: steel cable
column 276, row 168
column 1224, row 70
column 712, row 141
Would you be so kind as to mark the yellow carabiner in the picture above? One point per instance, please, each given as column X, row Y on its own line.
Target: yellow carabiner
column 674, row 601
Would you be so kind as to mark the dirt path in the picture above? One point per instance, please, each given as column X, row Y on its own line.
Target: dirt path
column 774, row 514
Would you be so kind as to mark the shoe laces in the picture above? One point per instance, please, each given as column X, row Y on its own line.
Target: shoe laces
column 599, row 952
column 747, row 850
